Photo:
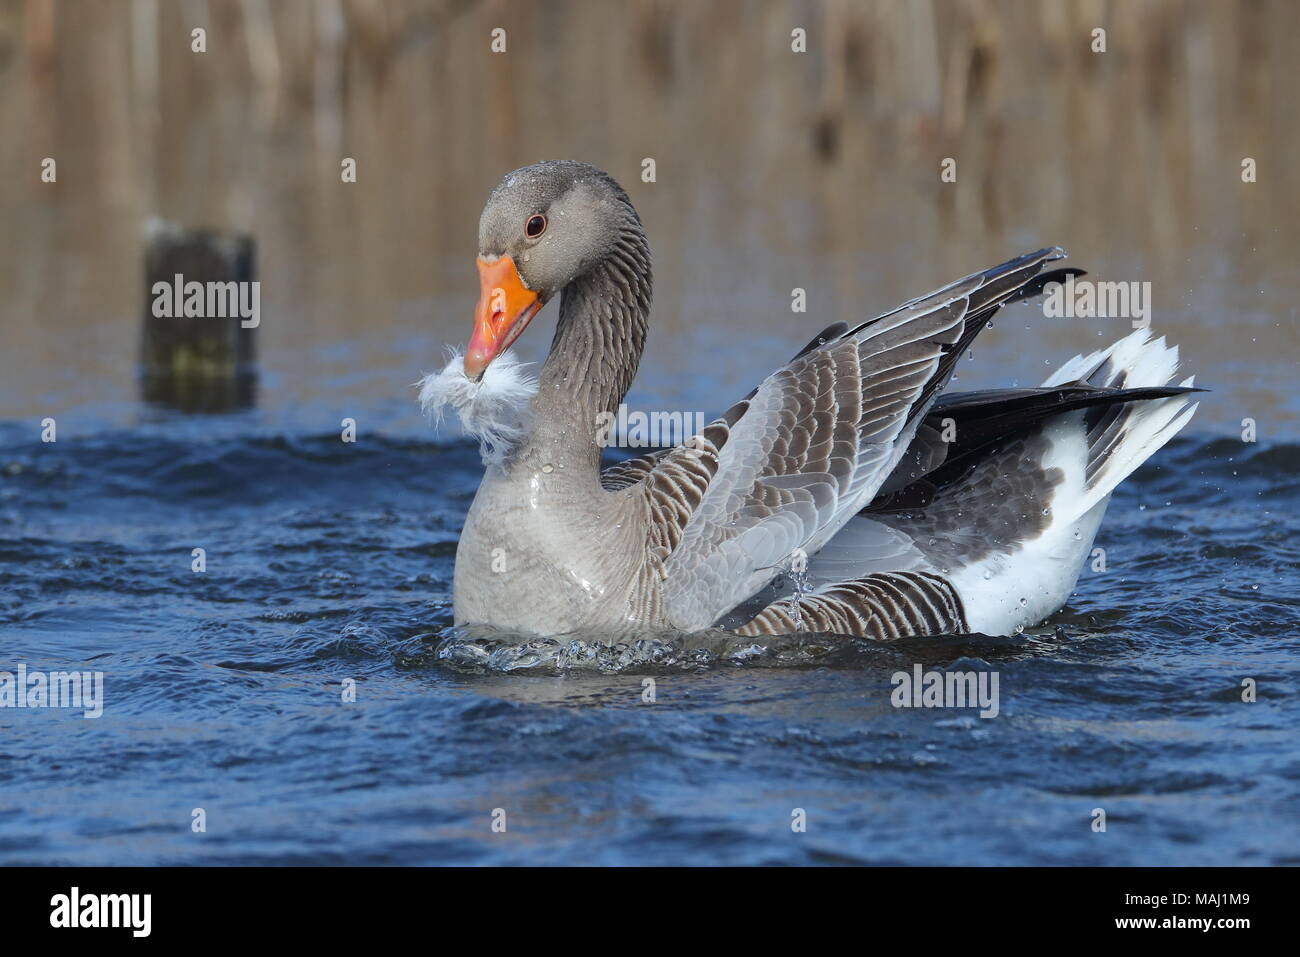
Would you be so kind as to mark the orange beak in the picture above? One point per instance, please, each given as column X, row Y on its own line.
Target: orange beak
column 505, row 307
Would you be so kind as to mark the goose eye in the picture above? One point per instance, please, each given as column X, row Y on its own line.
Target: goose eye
column 535, row 226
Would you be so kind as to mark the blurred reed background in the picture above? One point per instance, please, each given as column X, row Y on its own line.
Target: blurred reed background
column 774, row 170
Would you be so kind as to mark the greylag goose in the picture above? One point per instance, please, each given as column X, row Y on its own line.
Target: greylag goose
column 844, row 494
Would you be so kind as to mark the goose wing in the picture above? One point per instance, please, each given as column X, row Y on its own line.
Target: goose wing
column 1020, row 468
column 789, row 464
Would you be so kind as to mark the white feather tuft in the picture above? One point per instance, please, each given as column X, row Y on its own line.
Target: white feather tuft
column 495, row 410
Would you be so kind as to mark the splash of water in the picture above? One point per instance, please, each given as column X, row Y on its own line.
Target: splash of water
column 798, row 574
column 478, row 650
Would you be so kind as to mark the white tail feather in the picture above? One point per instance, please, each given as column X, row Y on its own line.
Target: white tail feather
column 1136, row 361
column 1008, row 592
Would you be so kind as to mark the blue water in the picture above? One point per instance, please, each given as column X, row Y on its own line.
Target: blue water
column 328, row 561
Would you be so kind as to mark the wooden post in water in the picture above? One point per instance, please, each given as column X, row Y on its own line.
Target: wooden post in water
column 198, row 345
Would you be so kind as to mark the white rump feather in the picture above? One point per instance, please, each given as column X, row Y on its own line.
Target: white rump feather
column 496, row 410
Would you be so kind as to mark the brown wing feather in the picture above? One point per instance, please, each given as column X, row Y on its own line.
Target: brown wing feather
column 790, row 463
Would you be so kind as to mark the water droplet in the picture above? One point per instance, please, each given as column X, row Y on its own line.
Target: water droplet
column 1024, row 602
column 548, row 469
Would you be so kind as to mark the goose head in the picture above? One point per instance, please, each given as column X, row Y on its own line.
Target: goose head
column 544, row 227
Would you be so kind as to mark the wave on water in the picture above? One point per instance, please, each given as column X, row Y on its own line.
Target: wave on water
column 330, row 566
column 477, row 650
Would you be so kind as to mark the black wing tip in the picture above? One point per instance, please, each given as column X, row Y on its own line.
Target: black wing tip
column 1038, row 283
column 1152, row 392
column 836, row 330
column 1125, row 394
